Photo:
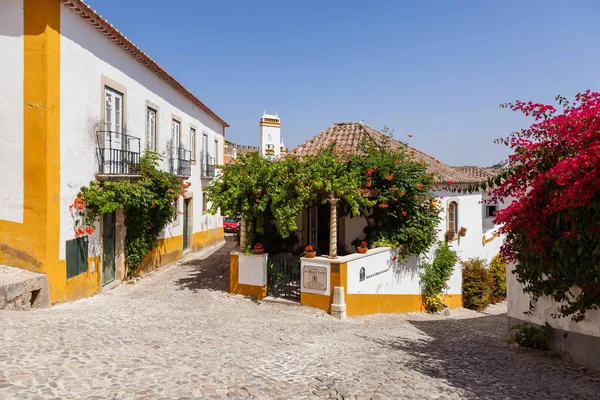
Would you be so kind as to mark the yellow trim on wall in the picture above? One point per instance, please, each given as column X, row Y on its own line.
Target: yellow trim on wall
column 235, row 287
column 207, row 238
column 320, row 301
column 270, row 124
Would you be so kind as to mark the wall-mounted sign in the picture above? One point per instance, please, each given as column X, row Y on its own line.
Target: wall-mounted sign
column 315, row 278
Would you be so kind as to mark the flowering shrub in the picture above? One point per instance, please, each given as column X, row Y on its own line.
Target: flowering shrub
column 258, row 246
column 552, row 230
column 476, row 284
column 148, row 203
column 364, row 245
column 498, row 277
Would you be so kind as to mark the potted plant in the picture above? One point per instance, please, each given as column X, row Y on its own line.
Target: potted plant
column 362, row 248
column 309, row 252
column 462, row 231
column 258, row 248
column 450, row 234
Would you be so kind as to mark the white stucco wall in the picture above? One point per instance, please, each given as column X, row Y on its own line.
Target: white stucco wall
column 11, row 110
column 518, row 303
column 252, row 269
column 88, row 59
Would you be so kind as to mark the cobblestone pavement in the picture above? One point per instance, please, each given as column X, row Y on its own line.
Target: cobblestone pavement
column 177, row 335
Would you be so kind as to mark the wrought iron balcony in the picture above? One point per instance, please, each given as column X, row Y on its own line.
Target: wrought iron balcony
column 180, row 160
column 208, row 167
column 118, row 154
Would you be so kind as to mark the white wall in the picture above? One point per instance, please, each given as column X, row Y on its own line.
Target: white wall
column 11, row 110
column 275, row 133
column 87, row 56
column 252, row 269
column 518, row 303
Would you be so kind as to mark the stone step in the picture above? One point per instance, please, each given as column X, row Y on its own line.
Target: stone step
column 22, row 290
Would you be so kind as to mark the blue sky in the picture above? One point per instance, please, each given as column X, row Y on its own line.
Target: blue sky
column 435, row 69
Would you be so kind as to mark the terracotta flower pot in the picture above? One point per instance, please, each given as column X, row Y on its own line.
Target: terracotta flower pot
column 310, row 254
column 361, row 250
column 258, row 251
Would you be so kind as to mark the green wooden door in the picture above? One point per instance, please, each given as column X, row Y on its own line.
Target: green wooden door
column 108, row 248
column 186, row 209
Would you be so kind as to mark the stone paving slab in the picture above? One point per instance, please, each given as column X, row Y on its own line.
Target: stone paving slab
column 178, row 335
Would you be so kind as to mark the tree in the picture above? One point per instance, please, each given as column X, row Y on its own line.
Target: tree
column 552, row 229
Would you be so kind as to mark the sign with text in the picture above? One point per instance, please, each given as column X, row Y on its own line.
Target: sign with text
column 315, row 278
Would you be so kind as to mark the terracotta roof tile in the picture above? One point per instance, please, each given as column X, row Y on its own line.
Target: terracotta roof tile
column 348, row 136
column 474, row 171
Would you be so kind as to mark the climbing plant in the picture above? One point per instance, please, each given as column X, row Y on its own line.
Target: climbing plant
column 148, row 203
column 391, row 190
column 551, row 227
column 435, row 275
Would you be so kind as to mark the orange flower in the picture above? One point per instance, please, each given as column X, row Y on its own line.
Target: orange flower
column 375, row 167
column 420, row 185
column 404, row 213
column 368, row 184
column 449, row 182
column 389, row 178
column 395, row 199
column 402, row 193
column 369, row 172
column 89, row 230
column 397, row 161
column 148, row 226
column 393, row 189
column 394, row 258
column 258, row 200
column 79, row 231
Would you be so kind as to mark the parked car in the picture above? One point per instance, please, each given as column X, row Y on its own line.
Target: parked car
column 231, row 225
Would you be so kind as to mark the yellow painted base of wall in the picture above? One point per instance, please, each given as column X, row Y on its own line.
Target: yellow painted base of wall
column 320, row 301
column 365, row 304
column 171, row 249
column 258, row 292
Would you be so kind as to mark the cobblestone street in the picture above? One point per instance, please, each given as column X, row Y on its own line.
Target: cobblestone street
column 176, row 333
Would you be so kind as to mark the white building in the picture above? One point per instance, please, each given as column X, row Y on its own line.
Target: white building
column 397, row 288
column 82, row 102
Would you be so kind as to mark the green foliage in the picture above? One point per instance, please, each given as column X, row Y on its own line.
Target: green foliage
column 476, row 284
column 149, row 205
column 391, row 191
column 498, row 278
column 436, row 274
column 530, row 336
column 405, row 213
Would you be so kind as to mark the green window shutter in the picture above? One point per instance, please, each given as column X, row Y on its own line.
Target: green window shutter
column 77, row 255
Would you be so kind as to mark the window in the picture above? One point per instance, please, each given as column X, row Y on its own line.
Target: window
column 113, row 110
column 77, row 256
column 175, row 220
column 193, row 143
column 151, row 129
column 176, row 134
column 452, row 218
column 490, row 210
column 216, row 151
column 204, row 145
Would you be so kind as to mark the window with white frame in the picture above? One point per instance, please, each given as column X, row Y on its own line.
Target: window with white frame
column 204, row 146
column 151, row 128
column 490, row 210
column 452, row 217
column 193, row 142
column 216, row 151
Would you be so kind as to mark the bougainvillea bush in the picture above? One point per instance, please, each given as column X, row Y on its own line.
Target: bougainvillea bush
column 553, row 229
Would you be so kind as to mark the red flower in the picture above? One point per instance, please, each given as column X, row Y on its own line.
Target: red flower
column 420, row 185
column 79, row 231
column 363, row 243
column 404, row 213
column 397, row 161
column 389, row 177
column 395, row 199
column 375, row 167
column 369, row 172
column 449, row 182
column 393, row 188
column 258, row 200
column 89, row 230
column 368, row 184
column 394, row 258
column 308, row 248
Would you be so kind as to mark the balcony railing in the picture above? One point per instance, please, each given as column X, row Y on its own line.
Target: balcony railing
column 118, row 154
column 208, row 167
column 181, row 161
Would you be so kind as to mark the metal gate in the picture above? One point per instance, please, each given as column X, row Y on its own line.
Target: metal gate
column 284, row 276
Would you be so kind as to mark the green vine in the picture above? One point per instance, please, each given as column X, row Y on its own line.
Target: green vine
column 435, row 275
column 148, row 203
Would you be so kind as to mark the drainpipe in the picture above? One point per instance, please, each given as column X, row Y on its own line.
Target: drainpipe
column 333, row 228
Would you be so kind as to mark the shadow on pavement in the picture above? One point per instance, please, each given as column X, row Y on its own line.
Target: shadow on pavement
column 473, row 354
column 211, row 273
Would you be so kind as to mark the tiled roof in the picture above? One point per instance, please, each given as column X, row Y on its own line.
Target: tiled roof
column 104, row 27
column 474, row 171
column 348, row 136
